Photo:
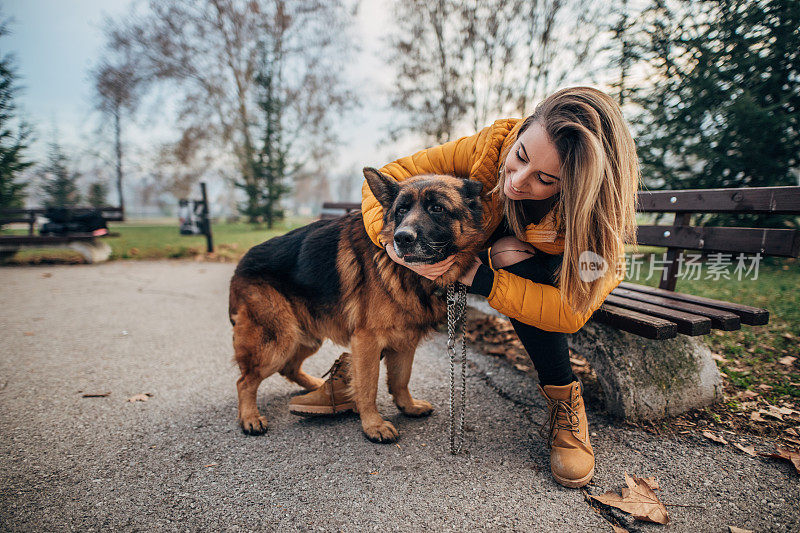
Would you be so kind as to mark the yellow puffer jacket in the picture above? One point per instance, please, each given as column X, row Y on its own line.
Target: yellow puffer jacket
column 477, row 157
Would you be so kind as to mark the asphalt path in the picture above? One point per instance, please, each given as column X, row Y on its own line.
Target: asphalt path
column 179, row 461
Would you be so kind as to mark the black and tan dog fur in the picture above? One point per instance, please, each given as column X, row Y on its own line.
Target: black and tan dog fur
column 328, row 280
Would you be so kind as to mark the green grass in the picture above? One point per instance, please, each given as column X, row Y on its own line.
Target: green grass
column 158, row 241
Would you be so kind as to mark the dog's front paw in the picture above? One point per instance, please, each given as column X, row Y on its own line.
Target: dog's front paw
column 417, row 408
column 253, row 425
column 382, row 431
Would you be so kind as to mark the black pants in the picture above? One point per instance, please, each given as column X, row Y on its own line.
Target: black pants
column 548, row 350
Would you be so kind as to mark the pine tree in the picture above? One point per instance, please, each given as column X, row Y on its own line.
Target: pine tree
column 58, row 183
column 14, row 136
column 724, row 108
column 98, row 192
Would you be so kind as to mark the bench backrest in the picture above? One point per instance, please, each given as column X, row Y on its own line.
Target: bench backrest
column 682, row 236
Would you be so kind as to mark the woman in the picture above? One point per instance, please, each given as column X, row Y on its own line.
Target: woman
column 558, row 185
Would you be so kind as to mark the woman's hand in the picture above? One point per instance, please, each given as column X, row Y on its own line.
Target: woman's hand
column 429, row 271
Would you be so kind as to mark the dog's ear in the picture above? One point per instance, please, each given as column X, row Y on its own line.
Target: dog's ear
column 384, row 187
column 471, row 188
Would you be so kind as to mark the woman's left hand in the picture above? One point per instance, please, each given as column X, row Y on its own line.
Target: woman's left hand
column 469, row 275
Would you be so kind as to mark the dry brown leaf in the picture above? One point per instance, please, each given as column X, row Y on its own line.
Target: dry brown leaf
column 734, row 529
column 749, row 394
column 618, row 529
column 749, row 450
column 792, row 431
column 764, row 386
column 140, row 397
column 788, row 360
column 755, row 416
column 793, row 456
column 652, row 483
column 715, row 438
column 717, row 357
column 638, row 500
column 577, row 362
column 96, row 394
column 522, row 368
column 775, row 412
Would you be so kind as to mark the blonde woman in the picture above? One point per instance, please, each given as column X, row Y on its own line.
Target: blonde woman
column 560, row 191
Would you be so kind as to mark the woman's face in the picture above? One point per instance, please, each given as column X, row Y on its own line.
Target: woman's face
column 532, row 166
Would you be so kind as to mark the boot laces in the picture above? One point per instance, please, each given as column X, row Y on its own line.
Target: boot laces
column 334, row 369
column 562, row 416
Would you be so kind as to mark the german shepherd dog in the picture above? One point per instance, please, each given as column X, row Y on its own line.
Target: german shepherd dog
column 328, row 280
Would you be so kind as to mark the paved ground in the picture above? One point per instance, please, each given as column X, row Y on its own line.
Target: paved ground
column 179, row 461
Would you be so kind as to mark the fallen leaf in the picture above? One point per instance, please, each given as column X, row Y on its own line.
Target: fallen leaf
column 749, row 450
column 47, row 275
column 715, row 438
column 577, row 362
column 788, row 360
column 638, row 500
column 793, row 441
column 140, row 397
column 734, row 529
column 776, row 412
column 618, row 529
column 749, row 394
column 756, row 417
column 96, row 394
column 793, row 432
column 764, row 386
column 209, row 465
column 522, row 368
column 793, row 456
column 652, row 483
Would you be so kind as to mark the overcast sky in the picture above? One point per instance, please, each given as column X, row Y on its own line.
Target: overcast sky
column 56, row 43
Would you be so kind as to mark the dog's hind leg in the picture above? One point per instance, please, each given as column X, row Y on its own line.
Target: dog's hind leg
column 293, row 371
column 398, row 373
column 259, row 354
column 365, row 369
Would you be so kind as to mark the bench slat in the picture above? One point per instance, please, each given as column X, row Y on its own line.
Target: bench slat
column 772, row 200
column 752, row 316
column 767, row 241
column 634, row 322
column 50, row 239
column 720, row 319
column 688, row 323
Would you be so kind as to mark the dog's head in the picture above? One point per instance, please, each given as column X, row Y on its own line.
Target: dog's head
column 428, row 218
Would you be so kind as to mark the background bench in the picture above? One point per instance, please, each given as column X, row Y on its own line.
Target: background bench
column 86, row 244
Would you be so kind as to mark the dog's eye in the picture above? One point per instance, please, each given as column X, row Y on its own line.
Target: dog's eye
column 436, row 208
column 401, row 211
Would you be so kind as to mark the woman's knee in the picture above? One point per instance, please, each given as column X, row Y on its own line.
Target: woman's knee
column 510, row 250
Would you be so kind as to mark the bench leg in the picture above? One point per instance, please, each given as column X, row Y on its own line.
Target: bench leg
column 646, row 379
column 92, row 252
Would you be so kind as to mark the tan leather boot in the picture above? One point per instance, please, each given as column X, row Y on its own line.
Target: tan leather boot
column 571, row 454
column 334, row 396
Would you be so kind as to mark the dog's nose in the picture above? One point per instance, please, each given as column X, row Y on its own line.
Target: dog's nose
column 405, row 236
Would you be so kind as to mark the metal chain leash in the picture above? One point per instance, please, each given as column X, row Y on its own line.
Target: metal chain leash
column 456, row 320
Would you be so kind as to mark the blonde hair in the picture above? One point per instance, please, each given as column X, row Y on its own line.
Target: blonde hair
column 599, row 178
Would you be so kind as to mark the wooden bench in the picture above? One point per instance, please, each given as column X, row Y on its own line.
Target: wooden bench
column 337, row 209
column 662, row 313
column 86, row 244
